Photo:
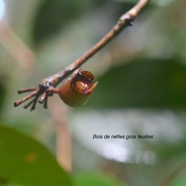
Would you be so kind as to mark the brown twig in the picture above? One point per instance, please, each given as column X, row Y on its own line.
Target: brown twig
column 63, row 135
column 45, row 87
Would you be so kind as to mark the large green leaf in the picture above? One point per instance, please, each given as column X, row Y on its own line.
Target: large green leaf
column 25, row 161
column 143, row 83
column 95, row 179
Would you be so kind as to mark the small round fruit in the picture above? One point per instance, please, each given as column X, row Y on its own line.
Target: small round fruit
column 77, row 90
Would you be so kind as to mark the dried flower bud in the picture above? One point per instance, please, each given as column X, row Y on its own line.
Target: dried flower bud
column 77, row 90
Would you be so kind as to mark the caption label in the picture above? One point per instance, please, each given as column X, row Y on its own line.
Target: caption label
column 119, row 136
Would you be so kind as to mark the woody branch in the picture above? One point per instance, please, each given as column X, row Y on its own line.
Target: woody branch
column 48, row 86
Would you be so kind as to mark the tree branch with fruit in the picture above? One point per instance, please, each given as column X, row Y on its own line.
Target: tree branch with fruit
column 78, row 89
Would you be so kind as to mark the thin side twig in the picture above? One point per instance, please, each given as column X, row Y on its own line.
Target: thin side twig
column 46, row 87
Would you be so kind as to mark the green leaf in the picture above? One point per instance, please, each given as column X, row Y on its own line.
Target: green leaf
column 94, row 179
column 144, row 83
column 180, row 180
column 25, row 161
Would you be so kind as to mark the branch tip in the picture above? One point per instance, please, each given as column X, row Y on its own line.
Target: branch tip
column 48, row 86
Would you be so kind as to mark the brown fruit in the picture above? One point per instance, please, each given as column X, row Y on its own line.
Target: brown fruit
column 77, row 90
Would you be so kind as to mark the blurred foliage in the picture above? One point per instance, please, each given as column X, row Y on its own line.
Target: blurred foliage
column 93, row 179
column 142, row 71
column 52, row 16
column 179, row 181
column 151, row 83
column 25, row 161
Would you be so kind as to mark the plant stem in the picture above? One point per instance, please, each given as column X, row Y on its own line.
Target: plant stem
column 124, row 21
column 63, row 135
column 46, row 87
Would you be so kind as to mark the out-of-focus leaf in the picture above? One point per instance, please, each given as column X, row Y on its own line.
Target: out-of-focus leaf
column 143, row 83
column 56, row 14
column 25, row 161
column 168, row 151
column 7, row 183
column 180, row 180
column 93, row 179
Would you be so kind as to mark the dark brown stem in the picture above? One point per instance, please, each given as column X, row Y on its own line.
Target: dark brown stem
column 17, row 103
column 46, row 103
column 47, row 86
column 26, row 90
column 30, row 103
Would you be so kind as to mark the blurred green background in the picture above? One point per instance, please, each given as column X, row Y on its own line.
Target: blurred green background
column 141, row 91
